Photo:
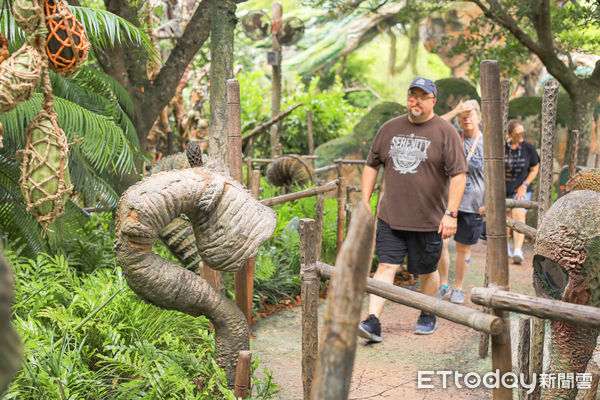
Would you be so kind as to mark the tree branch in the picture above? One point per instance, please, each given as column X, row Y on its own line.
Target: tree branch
column 194, row 36
column 544, row 49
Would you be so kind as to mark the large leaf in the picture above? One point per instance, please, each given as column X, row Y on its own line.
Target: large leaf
column 104, row 144
column 104, row 30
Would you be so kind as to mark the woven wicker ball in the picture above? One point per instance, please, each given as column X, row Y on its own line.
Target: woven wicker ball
column 27, row 14
column 19, row 76
column 66, row 44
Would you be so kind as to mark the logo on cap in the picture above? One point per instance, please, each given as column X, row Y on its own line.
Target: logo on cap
column 420, row 81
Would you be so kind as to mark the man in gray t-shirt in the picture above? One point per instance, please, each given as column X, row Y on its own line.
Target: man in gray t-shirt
column 470, row 222
column 424, row 177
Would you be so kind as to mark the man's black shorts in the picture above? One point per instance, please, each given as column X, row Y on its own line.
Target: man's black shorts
column 423, row 248
column 469, row 227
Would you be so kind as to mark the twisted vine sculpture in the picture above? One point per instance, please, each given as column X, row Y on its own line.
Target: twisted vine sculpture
column 288, row 170
column 229, row 226
column 11, row 349
column 588, row 179
column 567, row 267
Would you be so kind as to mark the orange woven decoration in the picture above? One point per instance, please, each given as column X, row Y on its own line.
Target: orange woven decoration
column 66, row 44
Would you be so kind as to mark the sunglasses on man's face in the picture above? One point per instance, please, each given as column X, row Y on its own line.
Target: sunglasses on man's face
column 420, row 97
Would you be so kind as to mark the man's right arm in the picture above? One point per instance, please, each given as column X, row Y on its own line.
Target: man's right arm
column 369, row 176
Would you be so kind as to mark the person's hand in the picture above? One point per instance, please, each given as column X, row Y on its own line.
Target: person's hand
column 368, row 204
column 461, row 107
column 447, row 226
column 521, row 192
column 482, row 211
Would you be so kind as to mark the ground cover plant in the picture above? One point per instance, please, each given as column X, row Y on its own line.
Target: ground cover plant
column 88, row 336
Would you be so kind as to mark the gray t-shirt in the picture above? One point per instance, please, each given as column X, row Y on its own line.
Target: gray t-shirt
column 473, row 198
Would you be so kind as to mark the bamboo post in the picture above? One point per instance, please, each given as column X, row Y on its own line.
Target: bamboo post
column 555, row 310
column 341, row 212
column 328, row 187
column 242, row 375
column 597, row 162
column 251, row 262
column 524, row 342
column 319, row 212
column 275, row 78
column 340, row 328
column 234, row 126
column 573, row 153
column 466, row 316
column 496, row 210
column 309, row 297
column 311, row 143
column 484, row 338
column 248, row 171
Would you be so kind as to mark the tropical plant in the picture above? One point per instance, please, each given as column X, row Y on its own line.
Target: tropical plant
column 92, row 106
column 88, row 336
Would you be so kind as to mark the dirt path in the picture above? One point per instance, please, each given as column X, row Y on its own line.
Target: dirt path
column 388, row 370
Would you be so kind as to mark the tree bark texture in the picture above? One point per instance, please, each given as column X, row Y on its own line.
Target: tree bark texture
column 127, row 64
column 311, row 285
column 223, row 22
column 229, row 226
column 11, row 349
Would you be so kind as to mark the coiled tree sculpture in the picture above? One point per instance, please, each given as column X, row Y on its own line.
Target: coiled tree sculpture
column 11, row 349
column 289, row 170
column 567, row 267
column 229, row 226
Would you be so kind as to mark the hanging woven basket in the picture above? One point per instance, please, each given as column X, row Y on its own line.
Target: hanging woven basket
column 27, row 14
column 19, row 76
column 45, row 179
column 66, row 44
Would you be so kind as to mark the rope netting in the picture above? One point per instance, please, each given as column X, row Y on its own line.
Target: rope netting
column 66, row 43
column 19, row 76
column 27, row 14
column 45, row 177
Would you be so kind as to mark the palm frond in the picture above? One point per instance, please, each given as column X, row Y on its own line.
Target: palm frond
column 15, row 221
column 104, row 84
column 92, row 187
column 105, row 144
column 106, row 29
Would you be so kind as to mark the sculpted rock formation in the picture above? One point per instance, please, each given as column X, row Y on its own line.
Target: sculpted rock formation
column 567, row 267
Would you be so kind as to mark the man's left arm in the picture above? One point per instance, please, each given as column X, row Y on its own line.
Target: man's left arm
column 457, row 188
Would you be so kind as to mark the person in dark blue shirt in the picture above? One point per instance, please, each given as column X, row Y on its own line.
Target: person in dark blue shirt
column 521, row 166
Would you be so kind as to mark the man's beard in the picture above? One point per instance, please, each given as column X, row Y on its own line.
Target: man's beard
column 417, row 118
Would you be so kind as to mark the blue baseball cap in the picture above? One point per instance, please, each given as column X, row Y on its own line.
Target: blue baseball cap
column 425, row 84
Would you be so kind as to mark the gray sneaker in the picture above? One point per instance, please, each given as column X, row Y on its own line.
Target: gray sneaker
column 517, row 257
column 442, row 291
column 457, row 296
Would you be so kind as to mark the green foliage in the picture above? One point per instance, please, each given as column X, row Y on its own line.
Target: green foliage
column 277, row 266
column 573, row 28
column 333, row 116
column 88, row 336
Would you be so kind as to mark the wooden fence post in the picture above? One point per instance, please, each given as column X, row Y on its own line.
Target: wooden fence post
column 309, row 296
column 538, row 326
column 573, row 153
column 524, row 351
column 234, row 125
column 341, row 209
column 311, row 143
column 484, row 338
column 242, row 375
column 496, row 210
column 248, row 172
column 319, row 213
column 340, row 330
